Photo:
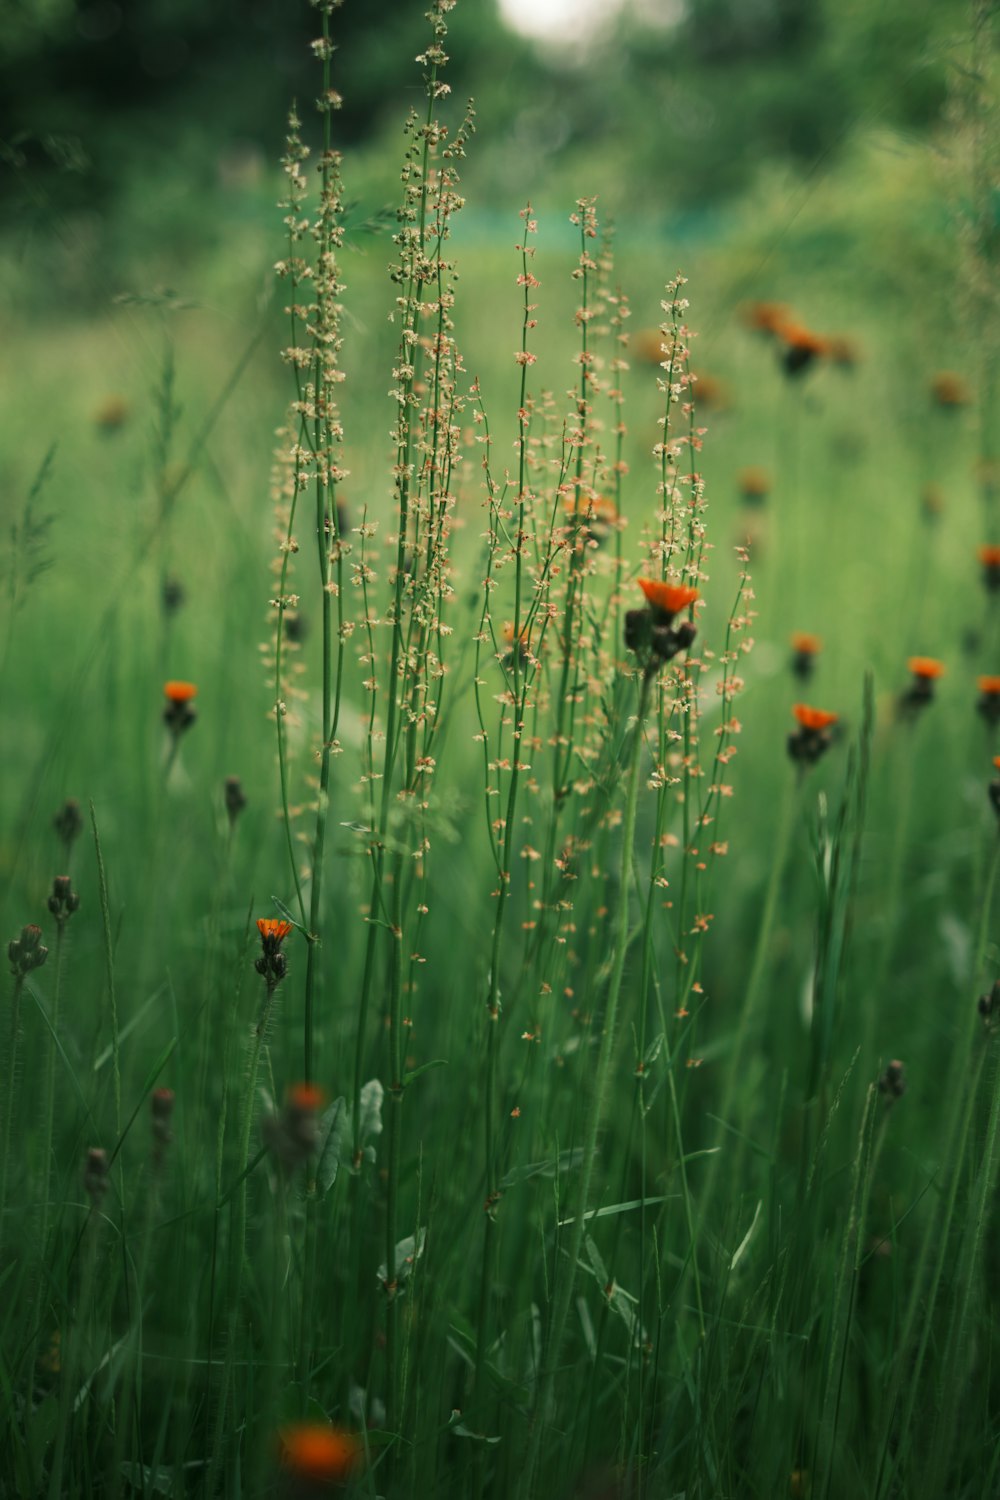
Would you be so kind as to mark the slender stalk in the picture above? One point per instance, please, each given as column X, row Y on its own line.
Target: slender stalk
column 8, row 1114
column 595, row 1112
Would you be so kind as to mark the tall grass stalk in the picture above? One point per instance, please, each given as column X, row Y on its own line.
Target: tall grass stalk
column 595, row 1110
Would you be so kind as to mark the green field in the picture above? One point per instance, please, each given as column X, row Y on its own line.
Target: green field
column 608, row 1105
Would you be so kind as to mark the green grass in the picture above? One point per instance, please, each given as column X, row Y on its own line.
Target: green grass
column 605, row 1191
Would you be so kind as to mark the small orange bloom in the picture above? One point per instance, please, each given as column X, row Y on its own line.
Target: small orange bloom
column 805, row 644
column 996, row 761
column 925, row 667
column 179, row 692
column 592, row 508
column 949, row 389
column 814, row 718
column 754, row 482
column 650, row 345
column 307, row 1098
column 319, row 1453
column 767, row 317
column 667, row 598
column 803, row 339
column 989, row 555
column 989, row 686
column 273, row 929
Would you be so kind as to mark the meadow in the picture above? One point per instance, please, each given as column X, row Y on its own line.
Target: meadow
column 499, row 841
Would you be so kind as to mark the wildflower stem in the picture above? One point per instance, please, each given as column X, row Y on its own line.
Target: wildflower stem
column 237, row 1247
column 109, row 959
column 595, row 1113
column 8, row 1120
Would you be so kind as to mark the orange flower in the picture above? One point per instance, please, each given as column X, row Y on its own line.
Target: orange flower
column 179, row 692
column 925, row 668
column 814, row 719
column 591, row 508
column 650, row 345
column 989, row 555
column 319, row 1453
column 805, row 644
column 796, row 336
column 949, row 389
column 307, row 1098
column 273, row 929
column 754, row 482
column 996, row 761
column 667, row 598
column 989, row 686
column 767, row 317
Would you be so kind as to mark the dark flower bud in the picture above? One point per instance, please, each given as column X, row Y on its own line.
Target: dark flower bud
column 63, row 901
column 68, row 822
column 95, row 1176
column 893, row 1080
column 162, row 1109
column 173, row 596
column 27, row 952
column 637, row 625
column 235, row 798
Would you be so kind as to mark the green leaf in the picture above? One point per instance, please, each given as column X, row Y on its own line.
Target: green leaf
column 439, row 1062
column 564, row 1162
column 371, row 1111
column 408, row 1252
column 333, row 1131
column 619, row 1208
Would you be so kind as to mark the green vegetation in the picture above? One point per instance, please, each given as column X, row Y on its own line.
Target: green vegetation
column 481, row 1026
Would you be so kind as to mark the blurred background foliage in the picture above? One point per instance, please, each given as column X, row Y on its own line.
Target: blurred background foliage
column 677, row 105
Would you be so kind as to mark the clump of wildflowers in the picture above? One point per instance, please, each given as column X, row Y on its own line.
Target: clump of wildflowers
column 813, row 738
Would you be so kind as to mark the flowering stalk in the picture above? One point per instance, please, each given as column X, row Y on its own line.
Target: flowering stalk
column 272, row 967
